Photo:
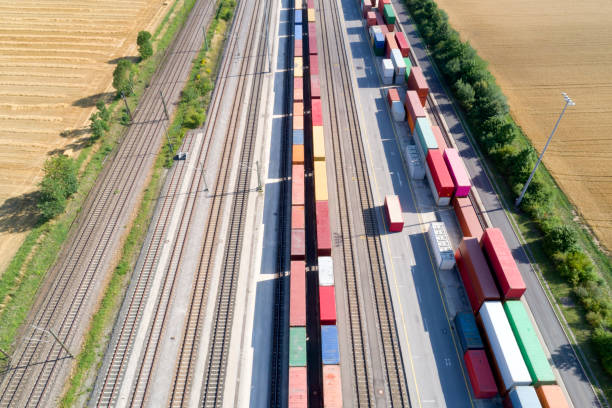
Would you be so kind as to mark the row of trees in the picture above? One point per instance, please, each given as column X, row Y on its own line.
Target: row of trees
column 486, row 110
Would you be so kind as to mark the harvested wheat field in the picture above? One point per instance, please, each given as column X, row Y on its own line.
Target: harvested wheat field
column 536, row 50
column 56, row 59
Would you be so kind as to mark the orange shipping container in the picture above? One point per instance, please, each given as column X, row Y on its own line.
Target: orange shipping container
column 332, row 387
column 298, row 154
column 298, row 123
column 298, row 109
column 551, row 396
column 466, row 215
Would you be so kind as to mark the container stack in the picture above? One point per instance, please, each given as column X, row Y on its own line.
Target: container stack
column 395, row 105
column 440, row 180
column 416, row 170
column 441, row 245
column 399, row 66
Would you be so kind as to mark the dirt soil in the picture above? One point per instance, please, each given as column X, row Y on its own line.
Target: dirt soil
column 536, row 50
column 56, row 61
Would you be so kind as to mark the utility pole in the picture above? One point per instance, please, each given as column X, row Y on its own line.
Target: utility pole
column 127, row 108
column 205, row 42
column 259, row 184
column 164, row 103
column 568, row 102
column 62, row 345
column 203, row 176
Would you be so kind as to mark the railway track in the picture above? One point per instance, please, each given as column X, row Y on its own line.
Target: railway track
column 348, row 149
column 65, row 302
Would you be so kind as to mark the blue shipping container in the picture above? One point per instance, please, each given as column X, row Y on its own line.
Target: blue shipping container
column 379, row 40
column 467, row 331
column 329, row 345
column 298, row 137
column 298, row 16
column 298, row 32
column 524, row 397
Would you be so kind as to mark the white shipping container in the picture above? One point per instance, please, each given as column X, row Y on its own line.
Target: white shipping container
column 441, row 245
column 326, row 271
column 373, row 31
column 503, row 345
column 399, row 66
column 387, row 71
column 398, row 111
column 415, row 164
column 440, row 201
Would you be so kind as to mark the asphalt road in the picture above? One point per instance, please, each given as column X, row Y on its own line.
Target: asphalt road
column 563, row 356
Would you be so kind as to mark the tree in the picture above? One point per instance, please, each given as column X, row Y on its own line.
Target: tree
column 59, row 182
column 496, row 132
column 103, row 110
column 561, row 238
column 145, row 48
column 465, row 94
column 123, row 77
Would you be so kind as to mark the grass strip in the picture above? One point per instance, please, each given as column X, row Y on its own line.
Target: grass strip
column 90, row 357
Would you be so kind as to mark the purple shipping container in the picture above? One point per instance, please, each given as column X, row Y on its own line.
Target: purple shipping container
column 458, row 173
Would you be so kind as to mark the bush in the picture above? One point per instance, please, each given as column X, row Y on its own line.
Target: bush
column 59, row 183
column 602, row 340
column 145, row 48
column 123, row 77
column 194, row 117
column 561, row 238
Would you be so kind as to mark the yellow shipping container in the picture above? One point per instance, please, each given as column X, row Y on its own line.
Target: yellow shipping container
column 311, row 15
column 298, row 67
column 298, row 4
column 320, row 178
column 318, row 143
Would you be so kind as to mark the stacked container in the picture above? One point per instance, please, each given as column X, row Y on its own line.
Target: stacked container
column 466, row 215
column 402, row 43
column 440, row 181
column 415, row 164
column 417, row 82
column 441, row 246
column 551, row 396
column 399, row 67
column 508, row 278
column 387, row 71
column 439, row 138
column 522, row 397
column 458, row 173
column 390, row 44
column 424, row 137
column 475, row 273
column 414, row 109
column 395, row 105
column 377, row 40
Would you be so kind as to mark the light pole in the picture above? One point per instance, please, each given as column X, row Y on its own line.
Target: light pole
column 568, row 102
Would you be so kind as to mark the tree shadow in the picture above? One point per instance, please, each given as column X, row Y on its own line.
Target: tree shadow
column 90, row 101
column 19, row 214
column 74, row 133
column 134, row 58
column 75, row 146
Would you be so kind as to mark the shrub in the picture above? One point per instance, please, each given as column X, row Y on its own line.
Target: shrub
column 561, row 238
column 145, row 48
column 59, row 182
column 602, row 340
column 123, row 77
column 194, row 117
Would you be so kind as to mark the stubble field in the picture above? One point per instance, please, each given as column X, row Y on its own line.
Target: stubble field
column 536, row 50
column 56, row 60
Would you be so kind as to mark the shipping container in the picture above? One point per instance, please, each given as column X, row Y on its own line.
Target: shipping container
column 390, row 44
column 320, row 178
column 370, row 18
column 326, row 271
column 529, row 344
column 312, row 45
column 297, row 346
column 298, row 137
column 314, row 65
column 297, row 44
column 298, row 16
column 317, row 113
column 387, row 71
column 551, row 396
column 310, row 4
column 318, row 143
column 466, row 215
column 399, row 67
column 395, row 105
column 414, row 109
column 402, row 43
column 298, row 123
column 417, row 82
column 503, row 346
column 459, row 174
column 479, row 371
column 381, row 5
column 329, row 345
column 475, row 302
column 298, row 154
column 298, row 89
column 441, row 245
column 312, row 29
column 467, row 331
column 311, row 15
column 366, row 8
column 297, row 217
column 298, row 4
column 298, row 389
column 388, row 14
column 439, row 138
column 315, row 87
column 297, row 297
column 393, row 212
column 416, row 170
column 298, row 244
column 439, row 178
column 408, row 69
column 508, row 277
column 522, row 397
column 425, row 137
column 298, row 109
column 327, row 304
column 478, row 272
column 332, row 387
column 323, row 230
column 377, row 40
column 297, row 185
column 297, row 33
column 392, row 96
column 298, row 70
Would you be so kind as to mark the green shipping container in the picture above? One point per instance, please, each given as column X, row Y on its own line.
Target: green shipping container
column 527, row 339
column 427, row 140
column 389, row 14
column 297, row 347
column 408, row 67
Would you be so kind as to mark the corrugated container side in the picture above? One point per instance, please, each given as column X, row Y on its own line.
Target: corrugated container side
column 392, row 95
column 297, row 184
column 297, row 346
column 329, row 345
column 389, row 14
column 390, row 44
column 298, row 244
column 326, row 271
column 524, row 397
column 318, row 143
column 467, row 282
column 323, row 230
column 503, row 345
column 417, row 82
column 297, row 297
column 393, row 211
column 441, row 177
column 408, row 67
column 425, row 136
column 371, row 18
column 441, row 245
column 297, row 154
column 467, row 331
column 415, row 165
column 402, row 43
column 529, row 344
column 297, row 217
column 332, row 387
column 466, row 215
column 479, row 371
column 320, row 176
column 457, row 170
column 478, row 270
column 317, row 112
column 387, row 71
column 551, row 396
column 298, row 390
column 502, row 262
column 327, row 305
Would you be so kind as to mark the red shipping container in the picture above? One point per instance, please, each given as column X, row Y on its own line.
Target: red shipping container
column 508, row 277
column 323, row 230
column 297, row 184
column 371, row 19
column 298, row 244
column 327, row 304
column 467, row 283
column 315, row 87
column 466, row 215
column 298, row 123
column 383, row 29
column 310, row 4
column 312, row 29
column 298, row 89
column 314, row 65
column 297, row 44
column 478, row 272
column 297, row 296
column 332, row 387
column 298, row 390
column 479, row 371
column 390, row 44
column 402, row 43
column 381, row 5
column 312, row 45
column 298, row 52
column 414, row 109
column 389, row 28
column 297, row 217
column 393, row 211
column 317, row 113
column 367, row 7
column 439, row 138
column 439, row 173
column 392, row 96
column 417, row 82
